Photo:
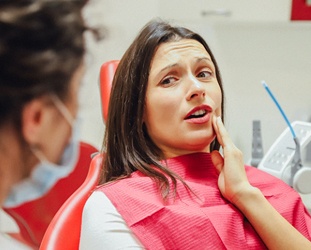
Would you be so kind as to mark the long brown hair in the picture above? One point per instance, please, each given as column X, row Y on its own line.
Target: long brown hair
column 127, row 146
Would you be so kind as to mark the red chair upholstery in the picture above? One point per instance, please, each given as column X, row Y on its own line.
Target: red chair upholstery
column 64, row 230
column 107, row 71
column 34, row 217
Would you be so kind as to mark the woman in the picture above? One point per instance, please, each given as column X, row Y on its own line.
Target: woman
column 165, row 185
column 41, row 56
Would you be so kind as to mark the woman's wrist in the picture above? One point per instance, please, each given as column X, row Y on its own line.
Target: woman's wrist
column 249, row 198
column 268, row 223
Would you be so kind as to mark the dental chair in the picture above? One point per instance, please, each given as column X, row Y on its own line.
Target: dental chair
column 107, row 71
column 34, row 217
column 64, row 230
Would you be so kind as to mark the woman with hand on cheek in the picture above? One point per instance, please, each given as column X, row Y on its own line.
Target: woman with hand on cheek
column 164, row 184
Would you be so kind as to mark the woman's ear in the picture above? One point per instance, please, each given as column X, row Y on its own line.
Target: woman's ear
column 33, row 120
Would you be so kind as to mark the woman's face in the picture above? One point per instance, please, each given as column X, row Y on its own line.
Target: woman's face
column 53, row 132
column 45, row 128
column 182, row 97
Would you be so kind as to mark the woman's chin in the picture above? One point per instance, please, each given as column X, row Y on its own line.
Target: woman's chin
column 200, row 146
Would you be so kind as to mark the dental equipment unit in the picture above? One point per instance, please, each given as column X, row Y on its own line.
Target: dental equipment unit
column 284, row 158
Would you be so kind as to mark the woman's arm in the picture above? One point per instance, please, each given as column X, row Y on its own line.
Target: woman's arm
column 103, row 227
column 275, row 231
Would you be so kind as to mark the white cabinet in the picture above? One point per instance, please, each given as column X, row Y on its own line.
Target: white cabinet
column 225, row 10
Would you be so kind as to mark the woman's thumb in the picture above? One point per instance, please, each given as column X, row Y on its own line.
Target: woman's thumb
column 217, row 160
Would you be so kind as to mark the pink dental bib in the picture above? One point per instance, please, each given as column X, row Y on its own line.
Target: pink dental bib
column 201, row 218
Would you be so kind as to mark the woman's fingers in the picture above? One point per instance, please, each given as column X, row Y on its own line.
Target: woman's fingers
column 232, row 178
column 217, row 160
column 221, row 133
column 215, row 126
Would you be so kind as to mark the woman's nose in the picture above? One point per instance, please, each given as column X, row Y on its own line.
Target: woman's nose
column 196, row 89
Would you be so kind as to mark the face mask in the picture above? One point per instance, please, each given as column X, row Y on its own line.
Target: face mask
column 46, row 173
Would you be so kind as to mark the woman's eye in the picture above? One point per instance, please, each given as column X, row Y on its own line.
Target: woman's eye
column 168, row 80
column 204, row 74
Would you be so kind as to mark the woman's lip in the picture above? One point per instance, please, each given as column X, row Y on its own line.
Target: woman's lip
column 200, row 120
column 207, row 108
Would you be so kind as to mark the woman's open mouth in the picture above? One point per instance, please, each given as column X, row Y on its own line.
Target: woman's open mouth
column 199, row 115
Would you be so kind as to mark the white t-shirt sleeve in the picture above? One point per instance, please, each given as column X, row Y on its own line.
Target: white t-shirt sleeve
column 103, row 227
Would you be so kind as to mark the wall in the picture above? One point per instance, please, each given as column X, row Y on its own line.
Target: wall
column 276, row 52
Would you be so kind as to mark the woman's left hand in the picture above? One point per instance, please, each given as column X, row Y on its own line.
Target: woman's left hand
column 232, row 182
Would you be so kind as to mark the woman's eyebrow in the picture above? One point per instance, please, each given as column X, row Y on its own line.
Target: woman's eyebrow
column 168, row 67
column 198, row 59
column 204, row 58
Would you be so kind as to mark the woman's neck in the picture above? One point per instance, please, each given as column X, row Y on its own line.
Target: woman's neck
column 195, row 166
column 11, row 164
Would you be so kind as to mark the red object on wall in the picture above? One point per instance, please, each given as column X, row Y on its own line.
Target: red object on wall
column 301, row 10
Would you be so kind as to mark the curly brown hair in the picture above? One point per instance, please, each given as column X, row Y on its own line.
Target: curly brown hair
column 41, row 46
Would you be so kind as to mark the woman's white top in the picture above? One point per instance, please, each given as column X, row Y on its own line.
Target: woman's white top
column 103, row 227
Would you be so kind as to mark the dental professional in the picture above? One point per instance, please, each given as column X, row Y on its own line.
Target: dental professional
column 165, row 185
column 41, row 66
